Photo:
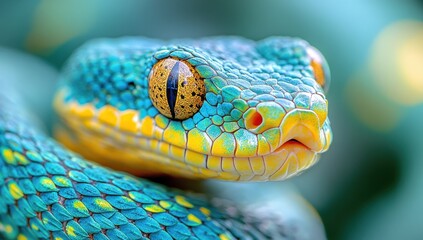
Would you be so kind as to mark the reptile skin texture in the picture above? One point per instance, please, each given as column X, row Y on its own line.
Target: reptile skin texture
column 258, row 96
column 107, row 114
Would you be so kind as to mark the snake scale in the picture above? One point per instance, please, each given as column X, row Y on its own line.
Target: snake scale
column 221, row 107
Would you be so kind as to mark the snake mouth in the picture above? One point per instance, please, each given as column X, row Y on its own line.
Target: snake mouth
column 290, row 143
column 300, row 149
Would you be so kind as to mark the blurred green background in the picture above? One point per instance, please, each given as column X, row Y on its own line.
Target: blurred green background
column 369, row 185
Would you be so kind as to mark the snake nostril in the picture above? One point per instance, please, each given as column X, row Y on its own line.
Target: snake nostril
column 254, row 120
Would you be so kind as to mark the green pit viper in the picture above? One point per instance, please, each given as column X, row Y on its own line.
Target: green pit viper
column 222, row 107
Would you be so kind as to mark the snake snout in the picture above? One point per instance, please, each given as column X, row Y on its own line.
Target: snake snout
column 303, row 126
column 300, row 125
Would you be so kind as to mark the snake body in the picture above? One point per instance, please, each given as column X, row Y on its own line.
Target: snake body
column 259, row 113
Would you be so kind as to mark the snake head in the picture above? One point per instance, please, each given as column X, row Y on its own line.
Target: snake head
column 226, row 108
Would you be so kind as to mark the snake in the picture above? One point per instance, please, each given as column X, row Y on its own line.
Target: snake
column 224, row 108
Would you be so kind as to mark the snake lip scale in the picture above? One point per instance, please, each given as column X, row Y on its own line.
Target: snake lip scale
column 308, row 143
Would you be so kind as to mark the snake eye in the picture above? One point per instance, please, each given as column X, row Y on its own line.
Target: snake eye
column 320, row 67
column 175, row 88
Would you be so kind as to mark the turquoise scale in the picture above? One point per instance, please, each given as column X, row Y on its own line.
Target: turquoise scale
column 54, row 193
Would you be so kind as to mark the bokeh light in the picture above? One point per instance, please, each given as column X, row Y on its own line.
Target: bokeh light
column 55, row 23
column 397, row 62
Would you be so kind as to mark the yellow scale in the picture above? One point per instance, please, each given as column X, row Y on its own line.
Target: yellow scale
column 120, row 140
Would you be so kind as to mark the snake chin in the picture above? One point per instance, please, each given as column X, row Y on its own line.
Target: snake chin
column 288, row 160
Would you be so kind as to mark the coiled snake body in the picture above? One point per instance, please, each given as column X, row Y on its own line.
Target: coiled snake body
column 225, row 108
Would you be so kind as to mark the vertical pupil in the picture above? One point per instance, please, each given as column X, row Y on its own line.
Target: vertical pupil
column 172, row 88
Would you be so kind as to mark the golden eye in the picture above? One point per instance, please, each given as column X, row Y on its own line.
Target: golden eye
column 176, row 89
column 320, row 67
